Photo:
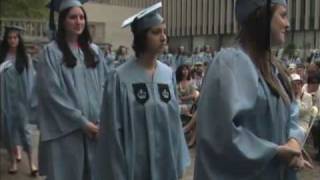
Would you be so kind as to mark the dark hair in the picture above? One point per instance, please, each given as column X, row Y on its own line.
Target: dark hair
column 21, row 55
column 255, row 35
column 84, row 41
column 314, row 79
column 119, row 51
column 301, row 65
column 179, row 74
column 139, row 42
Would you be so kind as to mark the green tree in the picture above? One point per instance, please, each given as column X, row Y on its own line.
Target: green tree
column 23, row 8
column 290, row 50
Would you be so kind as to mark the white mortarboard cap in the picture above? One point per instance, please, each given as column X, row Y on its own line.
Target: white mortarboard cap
column 14, row 28
column 144, row 19
column 295, row 77
column 292, row 66
column 245, row 7
column 198, row 63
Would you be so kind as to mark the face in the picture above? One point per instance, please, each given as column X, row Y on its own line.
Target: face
column 75, row 21
column 123, row 50
column 279, row 25
column 297, row 86
column 108, row 48
column 198, row 68
column 157, row 39
column 312, row 70
column 13, row 39
column 185, row 72
column 301, row 71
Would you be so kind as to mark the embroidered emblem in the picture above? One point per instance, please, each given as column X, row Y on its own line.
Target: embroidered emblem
column 164, row 92
column 141, row 92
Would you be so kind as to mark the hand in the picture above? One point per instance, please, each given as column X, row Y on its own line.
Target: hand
column 299, row 163
column 186, row 98
column 293, row 143
column 287, row 153
column 91, row 130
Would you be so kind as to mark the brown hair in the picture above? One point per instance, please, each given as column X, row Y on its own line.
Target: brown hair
column 84, row 41
column 254, row 36
column 21, row 54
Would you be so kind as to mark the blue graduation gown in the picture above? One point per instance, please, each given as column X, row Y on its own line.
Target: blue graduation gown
column 197, row 58
column 68, row 98
column 207, row 57
column 7, row 132
column 167, row 59
column 241, row 123
column 17, row 90
column 141, row 135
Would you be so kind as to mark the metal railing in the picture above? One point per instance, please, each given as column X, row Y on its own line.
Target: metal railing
column 36, row 30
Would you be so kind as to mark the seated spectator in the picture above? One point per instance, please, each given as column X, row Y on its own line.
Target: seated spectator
column 198, row 75
column 301, row 71
column 312, row 87
column 304, row 99
column 187, row 93
column 312, row 69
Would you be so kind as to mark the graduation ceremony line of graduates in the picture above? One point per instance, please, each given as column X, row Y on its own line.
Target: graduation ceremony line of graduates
column 124, row 123
column 16, row 83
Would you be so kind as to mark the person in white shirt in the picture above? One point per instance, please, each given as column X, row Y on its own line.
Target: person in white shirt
column 304, row 100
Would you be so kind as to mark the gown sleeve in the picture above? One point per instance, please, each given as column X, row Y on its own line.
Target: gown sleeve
column 229, row 93
column 294, row 129
column 111, row 158
column 23, row 84
column 60, row 115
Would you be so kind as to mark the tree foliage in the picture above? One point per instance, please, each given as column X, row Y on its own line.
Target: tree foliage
column 290, row 50
column 23, row 8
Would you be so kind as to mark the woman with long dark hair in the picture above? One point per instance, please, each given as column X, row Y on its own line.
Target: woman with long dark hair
column 141, row 135
column 17, row 76
column 187, row 95
column 70, row 80
column 247, row 126
column 186, row 90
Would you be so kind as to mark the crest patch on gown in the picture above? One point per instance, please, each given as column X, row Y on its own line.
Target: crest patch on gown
column 141, row 92
column 164, row 92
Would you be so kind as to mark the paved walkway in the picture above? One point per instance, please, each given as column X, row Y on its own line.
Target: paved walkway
column 23, row 173
column 313, row 174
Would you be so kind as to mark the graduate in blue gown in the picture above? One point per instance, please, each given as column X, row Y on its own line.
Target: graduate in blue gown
column 166, row 57
column 70, row 80
column 141, row 136
column 17, row 76
column 247, row 118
